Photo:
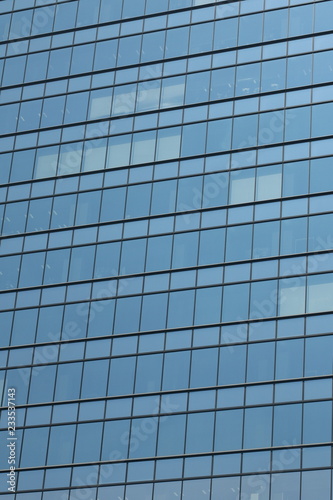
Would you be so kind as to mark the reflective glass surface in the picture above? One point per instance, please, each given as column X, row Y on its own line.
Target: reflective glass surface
column 166, row 260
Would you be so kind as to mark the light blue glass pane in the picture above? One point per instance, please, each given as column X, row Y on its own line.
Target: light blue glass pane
column 121, row 379
column 256, row 461
column 88, row 442
column 287, row 425
column 257, row 427
column 54, row 477
column 30, row 480
column 259, row 394
column 319, row 296
column 197, row 489
column 230, row 397
column 139, row 492
column 29, row 453
column 263, row 299
column 317, row 457
column 203, row 367
column 68, row 381
column 176, row 370
column 176, row 425
column 316, row 481
column 208, row 305
column 61, row 445
column 234, row 235
column 289, row 359
column 235, row 302
column 94, row 379
column 148, row 373
column 318, row 356
column 230, row 486
column 167, row 491
column 322, row 432
column 232, row 364
column 140, row 471
column 250, row 29
column 290, row 391
column 115, row 448
column 286, row 485
column 228, row 435
column 181, row 307
column 154, row 310
column 200, row 432
column 123, row 322
column 260, row 362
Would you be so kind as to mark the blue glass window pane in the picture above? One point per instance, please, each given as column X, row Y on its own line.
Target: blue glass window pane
column 250, row 29
column 22, row 165
column 299, row 71
column 61, row 445
column 65, row 16
column 232, row 364
column 257, row 427
column 235, row 302
column 133, row 256
column 176, row 425
column 176, row 370
column 318, row 356
column 115, row 446
column 32, row 457
column 301, row 20
column 321, row 175
column 230, row 486
column 199, row 436
column 276, row 24
column 204, row 367
column 316, row 481
column 218, row 135
column 68, row 381
column 121, row 378
column 321, row 413
column 143, row 437
column 125, row 323
column 287, row 425
column 289, row 359
column 260, row 362
column 94, row 379
column 295, row 178
column 9, row 272
column 229, row 425
column 154, row 310
column 148, row 373
column 320, row 114
column 185, row 250
column 88, row 442
column 235, row 251
column 208, row 305
column 181, row 306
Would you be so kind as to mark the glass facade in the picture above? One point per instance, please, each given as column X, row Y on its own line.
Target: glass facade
column 166, row 261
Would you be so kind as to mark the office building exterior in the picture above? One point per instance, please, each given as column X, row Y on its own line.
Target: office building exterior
column 166, row 260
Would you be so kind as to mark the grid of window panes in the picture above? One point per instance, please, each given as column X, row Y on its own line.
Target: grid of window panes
column 166, row 263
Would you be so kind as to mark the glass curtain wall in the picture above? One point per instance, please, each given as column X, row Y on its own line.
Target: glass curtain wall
column 166, row 260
